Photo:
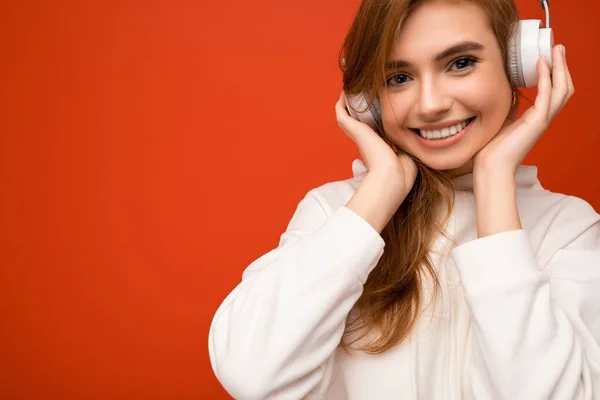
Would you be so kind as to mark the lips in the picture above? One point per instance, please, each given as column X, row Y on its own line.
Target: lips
column 433, row 140
column 465, row 122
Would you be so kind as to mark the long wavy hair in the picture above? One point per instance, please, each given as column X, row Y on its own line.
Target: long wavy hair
column 392, row 296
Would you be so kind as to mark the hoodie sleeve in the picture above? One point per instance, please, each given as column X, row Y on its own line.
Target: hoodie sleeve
column 275, row 334
column 536, row 329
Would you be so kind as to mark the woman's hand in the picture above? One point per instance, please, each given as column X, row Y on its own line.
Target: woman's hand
column 495, row 165
column 389, row 178
column 505, row 152
column 399, row 171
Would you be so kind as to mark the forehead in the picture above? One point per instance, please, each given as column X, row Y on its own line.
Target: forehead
column 436, row 25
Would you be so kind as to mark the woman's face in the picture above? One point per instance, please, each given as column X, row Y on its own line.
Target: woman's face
column 445, row 70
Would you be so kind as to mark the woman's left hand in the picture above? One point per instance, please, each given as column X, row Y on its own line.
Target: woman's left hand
column 505, row 152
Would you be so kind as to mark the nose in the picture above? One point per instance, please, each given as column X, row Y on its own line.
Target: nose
column 433, row 101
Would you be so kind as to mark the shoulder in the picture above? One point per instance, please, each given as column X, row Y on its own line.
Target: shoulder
column 556, row 207
column 321, row 203
column 334, row 195
column 557, row 210
column 556, row 221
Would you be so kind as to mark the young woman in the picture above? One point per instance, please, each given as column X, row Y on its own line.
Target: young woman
column 442, row 269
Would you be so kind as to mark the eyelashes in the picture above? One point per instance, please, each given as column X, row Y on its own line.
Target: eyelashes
column 394, row 77
column 460, row 66
column 468, row 60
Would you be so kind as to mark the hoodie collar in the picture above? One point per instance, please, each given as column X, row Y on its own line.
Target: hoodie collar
column 525, row 176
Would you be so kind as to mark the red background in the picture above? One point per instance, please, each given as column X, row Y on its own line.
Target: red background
column 150, row 150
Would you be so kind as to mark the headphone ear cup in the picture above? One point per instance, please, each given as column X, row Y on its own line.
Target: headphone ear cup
column 528, row 42
column 515, row 72
column 357, row 108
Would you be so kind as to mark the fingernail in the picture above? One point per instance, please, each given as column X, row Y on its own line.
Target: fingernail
column 563, row 49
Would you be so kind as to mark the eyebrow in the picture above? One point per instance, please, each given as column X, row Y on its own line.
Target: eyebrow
column 450, row 51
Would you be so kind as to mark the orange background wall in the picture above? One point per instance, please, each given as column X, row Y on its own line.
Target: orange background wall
column 150, row 150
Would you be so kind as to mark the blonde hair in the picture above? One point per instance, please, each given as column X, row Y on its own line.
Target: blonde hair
column 391, row 299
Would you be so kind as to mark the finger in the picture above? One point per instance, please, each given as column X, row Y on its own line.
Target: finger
column 342, row 99
column 570, row 80
column 341, row 111
column 570, row 86
column 356, row 130
column 369, row 144
column 560, row 81
column 342, row 108
column 543, row 98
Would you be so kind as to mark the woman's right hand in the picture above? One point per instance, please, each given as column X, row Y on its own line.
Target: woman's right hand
column 398, row 171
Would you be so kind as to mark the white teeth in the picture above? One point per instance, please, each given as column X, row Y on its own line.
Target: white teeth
column 443, row 133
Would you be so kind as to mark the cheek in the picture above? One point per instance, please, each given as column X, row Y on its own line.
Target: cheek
column 488, row 97
column 393, row 115
column 490, row 100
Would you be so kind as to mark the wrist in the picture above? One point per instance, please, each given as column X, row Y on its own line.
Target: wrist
column 496, row 203
column 487, row 176
column 376, row 200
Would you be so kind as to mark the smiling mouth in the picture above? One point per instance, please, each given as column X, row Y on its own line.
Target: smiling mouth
column 439, row 134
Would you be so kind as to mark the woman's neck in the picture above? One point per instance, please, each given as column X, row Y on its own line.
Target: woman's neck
column 464, row 169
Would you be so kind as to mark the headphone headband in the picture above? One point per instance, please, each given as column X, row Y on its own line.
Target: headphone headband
column 545, row 6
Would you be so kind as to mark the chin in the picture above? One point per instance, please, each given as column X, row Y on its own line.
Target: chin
column 445, row 162
column 446, row 165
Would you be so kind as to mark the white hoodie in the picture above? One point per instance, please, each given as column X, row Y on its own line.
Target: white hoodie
column 518, row 316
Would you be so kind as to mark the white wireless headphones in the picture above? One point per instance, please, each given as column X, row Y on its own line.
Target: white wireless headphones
column 528, row 42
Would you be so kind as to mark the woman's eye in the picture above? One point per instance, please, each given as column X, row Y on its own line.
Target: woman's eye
column 397, row 80
column 463, row 63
